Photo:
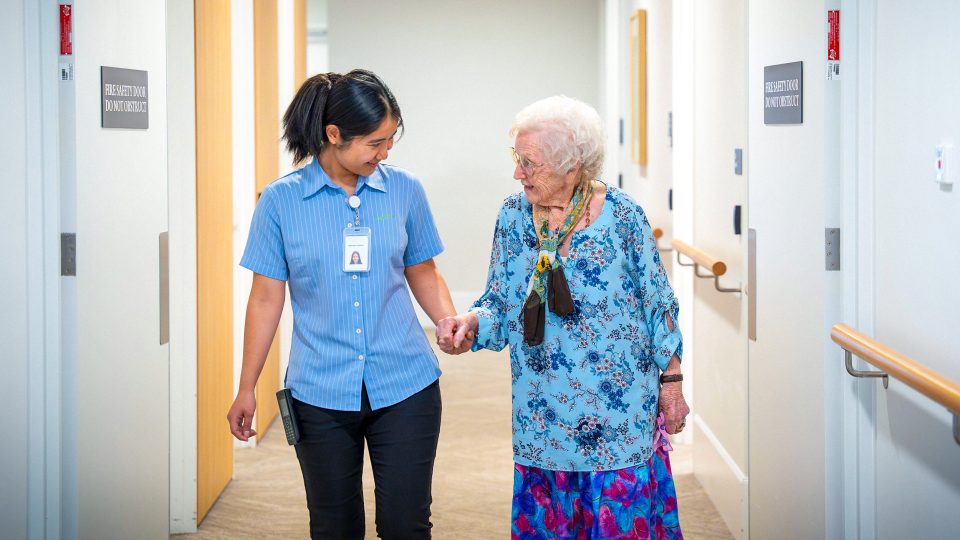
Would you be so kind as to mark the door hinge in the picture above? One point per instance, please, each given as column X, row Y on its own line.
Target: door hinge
column 832, row 249
column 68, row 254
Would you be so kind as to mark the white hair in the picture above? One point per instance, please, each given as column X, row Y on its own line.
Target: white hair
column 571, row 134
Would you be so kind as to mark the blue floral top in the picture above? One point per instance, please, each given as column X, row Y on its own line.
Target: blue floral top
column 586, row 398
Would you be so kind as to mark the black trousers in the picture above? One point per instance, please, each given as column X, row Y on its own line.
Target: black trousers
column 402, row 439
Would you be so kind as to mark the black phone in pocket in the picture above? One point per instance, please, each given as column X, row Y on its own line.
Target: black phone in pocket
column 291, row 424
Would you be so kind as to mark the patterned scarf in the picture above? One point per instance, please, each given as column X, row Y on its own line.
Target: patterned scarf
column 548, row 285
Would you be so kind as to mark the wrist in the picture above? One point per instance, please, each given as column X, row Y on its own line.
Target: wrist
column 671, row 391
column 472, row 320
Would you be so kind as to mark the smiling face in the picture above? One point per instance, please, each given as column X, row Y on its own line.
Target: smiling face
column 361, row 155
column 542, row 185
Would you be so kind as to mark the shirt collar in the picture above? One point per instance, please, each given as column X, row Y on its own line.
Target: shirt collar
column 315, row 179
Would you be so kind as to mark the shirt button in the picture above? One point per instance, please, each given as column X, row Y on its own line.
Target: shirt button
column 359, row 331
column 360, row 357
column 354, row 276
column 349, row 225
column 356, row 304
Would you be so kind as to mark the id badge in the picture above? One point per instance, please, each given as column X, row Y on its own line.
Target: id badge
column 356, row 249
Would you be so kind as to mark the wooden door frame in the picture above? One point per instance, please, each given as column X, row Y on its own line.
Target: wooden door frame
column 214, row 136
column 267, row 168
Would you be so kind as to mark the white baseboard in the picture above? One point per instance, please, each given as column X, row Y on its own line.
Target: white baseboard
column 722, row 479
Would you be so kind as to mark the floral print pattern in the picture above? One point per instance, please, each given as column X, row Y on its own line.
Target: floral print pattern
column 638, row 502
column 586, row 398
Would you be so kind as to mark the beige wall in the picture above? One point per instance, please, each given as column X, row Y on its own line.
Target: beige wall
column 460, row 71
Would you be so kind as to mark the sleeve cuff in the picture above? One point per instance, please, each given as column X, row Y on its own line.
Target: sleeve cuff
column 272, row 272
column 667, row 343
column 484, row 328
column 418, row 257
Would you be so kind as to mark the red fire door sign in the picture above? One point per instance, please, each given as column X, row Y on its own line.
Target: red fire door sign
column 833, row 44
column 66, row 29
column 833, row 36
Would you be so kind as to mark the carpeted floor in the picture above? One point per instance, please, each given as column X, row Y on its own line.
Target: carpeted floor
column 472, row 481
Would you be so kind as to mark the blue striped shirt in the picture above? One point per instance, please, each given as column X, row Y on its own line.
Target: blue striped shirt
column 349, row 329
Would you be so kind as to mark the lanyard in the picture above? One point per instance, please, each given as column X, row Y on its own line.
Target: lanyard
column 354, row 203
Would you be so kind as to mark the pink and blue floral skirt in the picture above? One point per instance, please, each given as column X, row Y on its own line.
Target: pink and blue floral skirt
column 638, row 502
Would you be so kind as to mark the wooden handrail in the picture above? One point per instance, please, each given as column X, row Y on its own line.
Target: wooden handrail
column 928, row 382
column 718, row 267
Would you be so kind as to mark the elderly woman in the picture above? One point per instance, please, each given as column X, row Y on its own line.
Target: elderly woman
column 577, row 290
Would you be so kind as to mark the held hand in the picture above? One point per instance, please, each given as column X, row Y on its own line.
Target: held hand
column 455, row 334
column 673, row 406
column 241, row 415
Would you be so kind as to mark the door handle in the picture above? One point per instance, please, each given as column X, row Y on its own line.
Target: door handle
column 164, row 288
column 752, row 284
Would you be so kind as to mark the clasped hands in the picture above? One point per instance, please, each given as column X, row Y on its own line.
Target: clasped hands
column 455, row 334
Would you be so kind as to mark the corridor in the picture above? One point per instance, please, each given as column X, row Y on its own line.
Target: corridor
column 783, row 186
column 472, row 480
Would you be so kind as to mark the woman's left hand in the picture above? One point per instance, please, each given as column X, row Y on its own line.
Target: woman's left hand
column 673, row 406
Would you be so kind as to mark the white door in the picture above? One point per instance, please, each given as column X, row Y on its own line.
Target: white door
column 119, row 397
column 793, row 370
column 916, row 298
column 720, row 324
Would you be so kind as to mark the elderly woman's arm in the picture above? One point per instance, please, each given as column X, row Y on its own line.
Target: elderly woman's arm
column 485, row 321
column 672, row 403
column 660, row 309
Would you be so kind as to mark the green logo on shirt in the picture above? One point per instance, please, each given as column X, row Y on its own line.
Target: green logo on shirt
column 382, row 217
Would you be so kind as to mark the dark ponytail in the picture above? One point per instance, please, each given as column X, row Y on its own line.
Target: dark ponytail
column 356, row 102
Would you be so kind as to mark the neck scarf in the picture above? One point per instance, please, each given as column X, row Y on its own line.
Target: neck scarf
column 548, row 285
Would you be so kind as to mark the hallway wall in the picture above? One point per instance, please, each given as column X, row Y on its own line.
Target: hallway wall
column 244, row 178
column 719, row 418
column 14, row 273
column 650, row 185
column 460, row 71
column 916, row 301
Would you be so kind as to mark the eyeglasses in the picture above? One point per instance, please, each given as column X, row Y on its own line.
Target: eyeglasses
column 525, row 164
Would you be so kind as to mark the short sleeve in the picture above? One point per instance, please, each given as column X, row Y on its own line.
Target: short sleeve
column 264, row 253
column 653, row 291
column 423, row 240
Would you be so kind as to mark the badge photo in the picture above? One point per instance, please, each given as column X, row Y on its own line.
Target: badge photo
column 356, row 249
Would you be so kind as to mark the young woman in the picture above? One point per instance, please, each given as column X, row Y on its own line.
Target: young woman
column 360, row 368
